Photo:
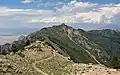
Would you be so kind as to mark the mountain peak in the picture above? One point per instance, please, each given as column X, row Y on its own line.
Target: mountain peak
column 63, row 25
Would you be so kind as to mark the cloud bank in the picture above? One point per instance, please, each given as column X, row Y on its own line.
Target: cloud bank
column 71, row 13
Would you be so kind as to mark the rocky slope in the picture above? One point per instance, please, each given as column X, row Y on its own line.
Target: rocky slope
column 15, row 45
column 39, row 58
column 21, row 62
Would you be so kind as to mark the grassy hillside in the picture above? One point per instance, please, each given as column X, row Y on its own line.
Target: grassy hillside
column 57, row 36
column 96, row 46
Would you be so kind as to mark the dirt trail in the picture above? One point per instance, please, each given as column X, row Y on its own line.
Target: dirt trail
column 39, row 70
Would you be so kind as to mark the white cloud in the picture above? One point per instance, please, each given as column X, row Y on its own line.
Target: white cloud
column 26, row 1
column 73, row 12
column 79, row 12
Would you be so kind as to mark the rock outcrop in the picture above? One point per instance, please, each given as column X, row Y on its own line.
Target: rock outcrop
column 15, row 45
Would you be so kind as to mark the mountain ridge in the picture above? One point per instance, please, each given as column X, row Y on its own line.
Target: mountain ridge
column 111, row 26
column 95, row 46
column 84, row 39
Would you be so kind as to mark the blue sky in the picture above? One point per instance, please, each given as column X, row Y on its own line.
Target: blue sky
column 43, row 13
column 15, row 4
column 18, row 4
column 102, row 1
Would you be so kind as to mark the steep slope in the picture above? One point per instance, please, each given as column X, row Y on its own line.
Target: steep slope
column 109, row 40
column 71, row 42
column 82, row 46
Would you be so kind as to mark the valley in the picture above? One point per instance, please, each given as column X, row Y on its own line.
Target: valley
column 7, row 38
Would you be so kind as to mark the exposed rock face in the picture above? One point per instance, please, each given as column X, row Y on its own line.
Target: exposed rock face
column 15, row 45
column 5, row 48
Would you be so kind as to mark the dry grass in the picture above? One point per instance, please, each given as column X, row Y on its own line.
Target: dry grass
column 54, row 66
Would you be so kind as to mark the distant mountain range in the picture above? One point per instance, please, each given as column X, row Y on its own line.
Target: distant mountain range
column 16, row 31
column 25, row 30
column 113, row 27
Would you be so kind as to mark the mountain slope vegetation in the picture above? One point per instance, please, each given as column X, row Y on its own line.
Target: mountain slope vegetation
column 95, row 46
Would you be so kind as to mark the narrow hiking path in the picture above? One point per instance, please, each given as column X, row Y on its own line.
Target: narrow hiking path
column 38, row 69
column 85, row 50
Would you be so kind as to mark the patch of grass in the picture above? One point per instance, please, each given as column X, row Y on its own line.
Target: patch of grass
column 54, row 66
